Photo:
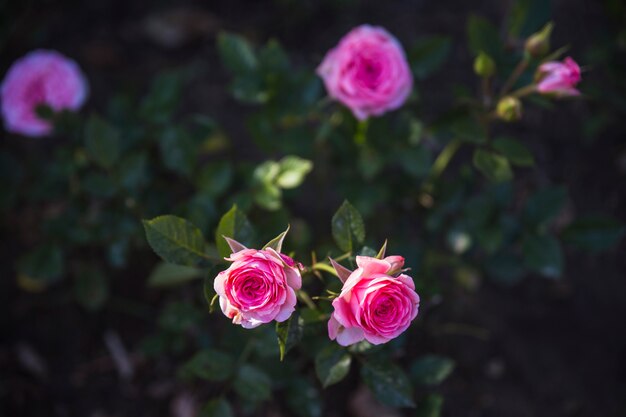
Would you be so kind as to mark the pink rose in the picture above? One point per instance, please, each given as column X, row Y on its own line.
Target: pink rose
column 368, row 72
column 559, row 78
column 374, row 304
column 40, row 77
column 258, row 287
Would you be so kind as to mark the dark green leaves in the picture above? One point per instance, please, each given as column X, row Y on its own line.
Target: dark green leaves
column 431, row 369
column 514, row 151
column 271, row 177
column 304, row 399
column 332, row 365
column 495, row 167
column 544, row 205
column 428, row 54
column 543, row 255
column 101, row 141
column 253, row 384
column 289, row 333
column 41, row 267
column 483, row 37
column 595, row 233
column 235, row 225
column 388, row 383
column 347, row 227
column 209, row 364
column 236, row 53
column 177, row 241
column 218, row 407
column 429, row 406
column 166, row 275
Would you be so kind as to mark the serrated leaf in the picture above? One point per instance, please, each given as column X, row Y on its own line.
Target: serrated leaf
column 101, row 141
column 177, row 241
column 388, row 383
column 495, row 167
column 594, row 233
column 167, row 275
column 235, row 225
column 332, row 364
column 514, row 151
column 253, row 384
column 210, row 364
column 347, row 227
column 431, row 369
column 289, row 333
column 543, row 254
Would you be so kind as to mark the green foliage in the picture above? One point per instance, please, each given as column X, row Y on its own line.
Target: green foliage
column 495, row 167
column 431, row 369
column 41, row 267
column 209, row 364
column 177, row 241
column 218, row 407
column 544, row 206
column 428, row 54
column 543, row 255
column 484, row 37
column 252, row 384
column 594, row 233
column 332, row 364
column 235, row 225
column 102, row 141
column 388, row 383
column 166, row 274
column 289, row 333
column 514, row 151
column 92, row 288
column 429, row 406
column 303, row 398
column 347, row 227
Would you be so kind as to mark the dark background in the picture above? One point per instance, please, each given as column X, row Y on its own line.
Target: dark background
column 540, row 348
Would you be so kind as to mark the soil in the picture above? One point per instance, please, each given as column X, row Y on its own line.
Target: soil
column 540, row 348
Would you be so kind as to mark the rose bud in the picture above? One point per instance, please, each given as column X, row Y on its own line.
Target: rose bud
column 374, row 304
column 368, row 72
column 484, row 65
column 258, row 287
column 41, row 78
column 559, row 78
column 509, row 109
column 538, row 44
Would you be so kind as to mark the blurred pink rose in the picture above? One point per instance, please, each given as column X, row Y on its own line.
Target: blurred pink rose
column 559, row 78
column 40, row 77
column 374, row 304
column 258, row 287
column 368, row 72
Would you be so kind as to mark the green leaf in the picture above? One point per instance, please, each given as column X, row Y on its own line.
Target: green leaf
column 543, row 254
column 416, row 161
column 218, row 407
column 429, row 406
column 40, row 268
column 528, row 16
column 594, row 233
column 268, row 196
column 428, row 54
column 215, row 178
column 98, row 185
column 178, row 151
column 332, row 364
column 159, row 104
column 177, row 241
column 303, row 398
column 431, row 369
column 101, row 141
column 235, row 225
column 495, row 167
column 289, row 333
column 388, row 383
column 514, row 151
column 505, row 268
column 292, row 171
column 236, row 53
column 347, row 227
column 253, row 384
column 210, row 364
column 91, row 288
column 277, row 242
column 483, row 37
column 133, row 171
column 167, row 275
column 545, row 205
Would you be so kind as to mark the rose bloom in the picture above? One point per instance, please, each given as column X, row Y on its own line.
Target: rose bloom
column 258, row 287
column 374, row 304
column 368, row 72
column 40, row 77
column 559, row 78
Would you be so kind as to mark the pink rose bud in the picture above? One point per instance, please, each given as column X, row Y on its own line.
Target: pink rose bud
column 40, row 78
column 374, row 304
column 559, row 78
column 368, row 72
column 258, row 287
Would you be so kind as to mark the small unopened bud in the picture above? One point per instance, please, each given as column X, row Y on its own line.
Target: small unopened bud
column 538, row 44
column 509, row 109
column 484, row 65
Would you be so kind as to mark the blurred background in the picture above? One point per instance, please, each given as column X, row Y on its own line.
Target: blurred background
column 538, row 348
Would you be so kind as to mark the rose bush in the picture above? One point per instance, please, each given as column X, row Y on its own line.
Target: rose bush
column 42, row 77
column 368, row 72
